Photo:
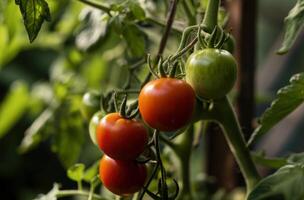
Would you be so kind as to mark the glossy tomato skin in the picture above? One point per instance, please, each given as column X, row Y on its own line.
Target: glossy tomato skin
column 211, row 72
column 120, row 138
column 166, row 104
column 122, row 177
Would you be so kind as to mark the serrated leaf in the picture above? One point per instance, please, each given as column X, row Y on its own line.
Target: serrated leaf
column 135, row 39
column 136, row 10
column 34, row 13
column 287, row 100
column 13, row 106
column 285, row 184
column 52, row 195
column 76, row 172
column 293, row 24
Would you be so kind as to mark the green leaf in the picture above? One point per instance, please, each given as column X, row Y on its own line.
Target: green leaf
column 13, row 106
column 52, row 195
column 288, row 99
column 136, row 10
column 94, row 29
column 33, row 135
column 4, row 35
column 76, row 172
column 285, row 184
column 293, row 24
column 91, row 172
column 34, row 13
column 69, row 133
column 135, row 39
column 275, row 163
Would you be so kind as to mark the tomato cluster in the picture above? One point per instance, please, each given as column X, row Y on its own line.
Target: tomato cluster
column 166, row 104
column 122, row 141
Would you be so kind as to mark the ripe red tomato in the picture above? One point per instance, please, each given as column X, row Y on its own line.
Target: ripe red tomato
column 122, row 177
column 120, row 138
column 166, row 104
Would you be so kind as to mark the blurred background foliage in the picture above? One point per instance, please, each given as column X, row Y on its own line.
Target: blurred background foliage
column 42, row 132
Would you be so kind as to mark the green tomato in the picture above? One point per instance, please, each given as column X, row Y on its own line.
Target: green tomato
column 90, row 104
column 211, row 72
column 93, row 125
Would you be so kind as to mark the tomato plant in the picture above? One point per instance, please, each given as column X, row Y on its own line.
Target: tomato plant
column 121, row 138
column 166, row 104
column 211, row 72
column 101, row 46
column 122, row 177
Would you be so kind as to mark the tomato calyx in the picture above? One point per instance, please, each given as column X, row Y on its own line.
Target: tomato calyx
column 216, row 40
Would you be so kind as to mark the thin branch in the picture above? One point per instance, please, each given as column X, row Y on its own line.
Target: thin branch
column 170, row 19
column 96, row 5
column 65, row 193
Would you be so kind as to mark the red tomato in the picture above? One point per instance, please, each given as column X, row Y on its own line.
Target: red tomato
column 120, row 138
column 166, row 104
column 122, row 177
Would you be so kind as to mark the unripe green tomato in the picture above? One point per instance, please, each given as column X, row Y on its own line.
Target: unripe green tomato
column 93, row 125
column 90, row 104
column 211, row 72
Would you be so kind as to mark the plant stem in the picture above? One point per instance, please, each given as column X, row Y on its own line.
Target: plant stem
column 108, row 11
column 160, row 23
column 146, row 187
column 65, row 193
column 189, row 12
column 170, row 19
column 183, row 149
column 79, row 184
column 210, row 18
column 164, row 190
column 164, row 39
column 97, row 5
column 224, row 114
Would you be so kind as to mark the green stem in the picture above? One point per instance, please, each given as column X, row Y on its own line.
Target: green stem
column 183, row 149
column 108, row 11
column 224, row 114
column 97, row 5
column 164, row 192
column 66, row 193
column 210, row 18
column 189, row 12
column 79, row 184
column 158, row 22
